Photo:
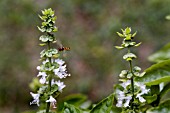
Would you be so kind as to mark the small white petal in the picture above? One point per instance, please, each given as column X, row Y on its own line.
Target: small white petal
column 36, row 98
column 38, row 67
column 61, row 85
column 52, row 100
column 141, row 99
column 119, row 103
column 59, row 61
column 42, row 80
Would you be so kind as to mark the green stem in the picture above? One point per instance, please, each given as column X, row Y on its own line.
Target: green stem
column 132, row 79
column 49, row 82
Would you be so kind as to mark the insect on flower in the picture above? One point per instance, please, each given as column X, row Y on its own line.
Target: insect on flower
column 64, row 49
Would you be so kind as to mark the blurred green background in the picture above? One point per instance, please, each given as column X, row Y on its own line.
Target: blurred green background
column 87, row 26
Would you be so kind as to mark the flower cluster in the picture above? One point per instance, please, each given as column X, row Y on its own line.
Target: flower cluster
column 129, row 93
column 52, row 69
column 124, row 94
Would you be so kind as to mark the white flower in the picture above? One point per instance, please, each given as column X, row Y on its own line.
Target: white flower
column 123, row 101
column 36, row 98
column 60, row 85
column 119, row 103
column 141, row 99
column 127, row 101
column 59, row 61
column 61, row 72
column 143, row 91
column 53, row 101
column 45, row 61
column 38, row 67
column 125, row 84
column 43, row 77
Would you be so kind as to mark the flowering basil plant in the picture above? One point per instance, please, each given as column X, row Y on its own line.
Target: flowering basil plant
column 129, row 93
column 136, row 92
column 52, row 69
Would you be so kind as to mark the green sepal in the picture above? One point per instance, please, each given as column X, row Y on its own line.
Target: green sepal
column 121, row 35
column 119, row 47
column 55, row 29
column 129, row 56
column 42, row 44
column 41, row 29
column 54, row 88
column 127, row 30
column 138, row 44
column 134, row 34
column 128, row 37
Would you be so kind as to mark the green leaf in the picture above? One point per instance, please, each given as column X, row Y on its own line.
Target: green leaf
column 104, row 106
column 115, row 110
column 161, row 55
column 150, row 99
column 74, row 99
column 165, row 90
column 156, row 74
column 162, row 108
column 68, row 108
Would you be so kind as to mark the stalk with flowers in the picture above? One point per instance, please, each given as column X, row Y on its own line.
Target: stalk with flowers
column 129, row 93
column 52, row 69
column 139, row 92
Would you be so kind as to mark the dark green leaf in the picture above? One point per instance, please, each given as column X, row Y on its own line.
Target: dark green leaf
column 74, row 99
column 150, row 99
column 104, row 106
column 156, row 74
column 115, row 110
column 68, row 108
column 162, row 108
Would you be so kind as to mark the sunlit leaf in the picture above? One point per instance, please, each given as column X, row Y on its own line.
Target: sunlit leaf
column 156, row 74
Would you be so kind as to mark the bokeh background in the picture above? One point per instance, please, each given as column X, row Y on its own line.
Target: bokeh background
column 89, row 28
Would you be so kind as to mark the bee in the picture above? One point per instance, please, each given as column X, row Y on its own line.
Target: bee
column 64, row 49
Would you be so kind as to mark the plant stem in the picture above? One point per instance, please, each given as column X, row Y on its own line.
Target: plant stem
column 49, row 82
column 132, row 79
